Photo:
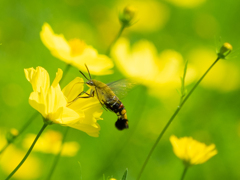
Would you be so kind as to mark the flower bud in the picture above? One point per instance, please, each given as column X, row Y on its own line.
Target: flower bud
column 11, row 135
column 127, row 16
column 224, row 50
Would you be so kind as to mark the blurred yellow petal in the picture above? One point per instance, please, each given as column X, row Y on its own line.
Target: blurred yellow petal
column 159, row 72
column 75, row 52
column 70, row 149
column 54, row 42
column 187, row 3
column 31, row 169
column 50, row 142
column 191, row 151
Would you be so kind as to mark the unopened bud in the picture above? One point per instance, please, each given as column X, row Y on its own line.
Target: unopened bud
column 11, row 135
column 127, row 16
column 224, row 50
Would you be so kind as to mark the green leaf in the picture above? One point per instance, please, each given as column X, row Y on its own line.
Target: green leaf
column 125, row 175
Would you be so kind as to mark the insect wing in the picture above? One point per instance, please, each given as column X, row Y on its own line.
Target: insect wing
column 121, row 87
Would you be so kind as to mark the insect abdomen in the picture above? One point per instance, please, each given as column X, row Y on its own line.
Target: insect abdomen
column 119, row 109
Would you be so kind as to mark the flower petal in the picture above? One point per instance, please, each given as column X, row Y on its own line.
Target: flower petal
column 57, row 78
column 57, row 44
column 73, row 89
column 36, row 100
column 39, row 78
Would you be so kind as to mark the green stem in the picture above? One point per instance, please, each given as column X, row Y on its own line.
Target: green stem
column 65, row 71
column 58, row 155
column 173, row 116
column 116, row 38
column 4, row 147
column 184, row 172
column 20, row 131
column 29, row 151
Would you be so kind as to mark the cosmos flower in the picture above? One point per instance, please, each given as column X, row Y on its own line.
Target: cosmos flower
column 191, row 151
column 50, row 142
column 53, row 103
column 75, row 52
column 31, row 169
column 143, row 64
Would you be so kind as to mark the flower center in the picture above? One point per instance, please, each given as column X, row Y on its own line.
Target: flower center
column 77, row 46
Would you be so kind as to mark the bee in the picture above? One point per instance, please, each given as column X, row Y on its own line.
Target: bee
column 107, row 97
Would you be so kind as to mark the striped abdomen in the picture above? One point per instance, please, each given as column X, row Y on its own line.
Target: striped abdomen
column 119, row 109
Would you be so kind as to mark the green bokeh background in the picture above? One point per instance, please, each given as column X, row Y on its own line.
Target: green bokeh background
column 210, row 116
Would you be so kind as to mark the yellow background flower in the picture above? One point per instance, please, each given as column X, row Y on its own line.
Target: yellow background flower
column 144, row 65
column 50, row 142
column 54, row 105
column 75, row 52
column 191, row 151
column 31, row 169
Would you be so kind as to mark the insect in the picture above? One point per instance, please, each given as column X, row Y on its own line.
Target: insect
column 108, row 98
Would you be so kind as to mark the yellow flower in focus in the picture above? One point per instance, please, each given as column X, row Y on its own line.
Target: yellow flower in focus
column 31, row 169
column 50, row 142
column 52, row 102
column 144, row 65
column 191, row 151
column 75, row 52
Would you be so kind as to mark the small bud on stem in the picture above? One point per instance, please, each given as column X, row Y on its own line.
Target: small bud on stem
column 127, row 16
column 224, row 50
column 11, row 135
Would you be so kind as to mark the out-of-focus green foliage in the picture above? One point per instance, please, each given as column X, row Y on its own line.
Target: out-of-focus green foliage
column 211, row 115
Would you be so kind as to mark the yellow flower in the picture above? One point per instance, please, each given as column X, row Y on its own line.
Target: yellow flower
column 31, row 169
column 52, row 103
column 75, row 52
column 191, row 151
column 50, row 142
column 187, row 3
column 144, row 65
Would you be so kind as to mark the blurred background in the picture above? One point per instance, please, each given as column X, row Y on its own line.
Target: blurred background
column 194, row 29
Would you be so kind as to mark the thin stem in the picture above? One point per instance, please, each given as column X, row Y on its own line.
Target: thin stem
column 116, row 38
column 58, row 155
column 35, row 114
column 173, row 116
column 4, row 147
column 184, row 172
column 65, row 72
column 29, row 151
